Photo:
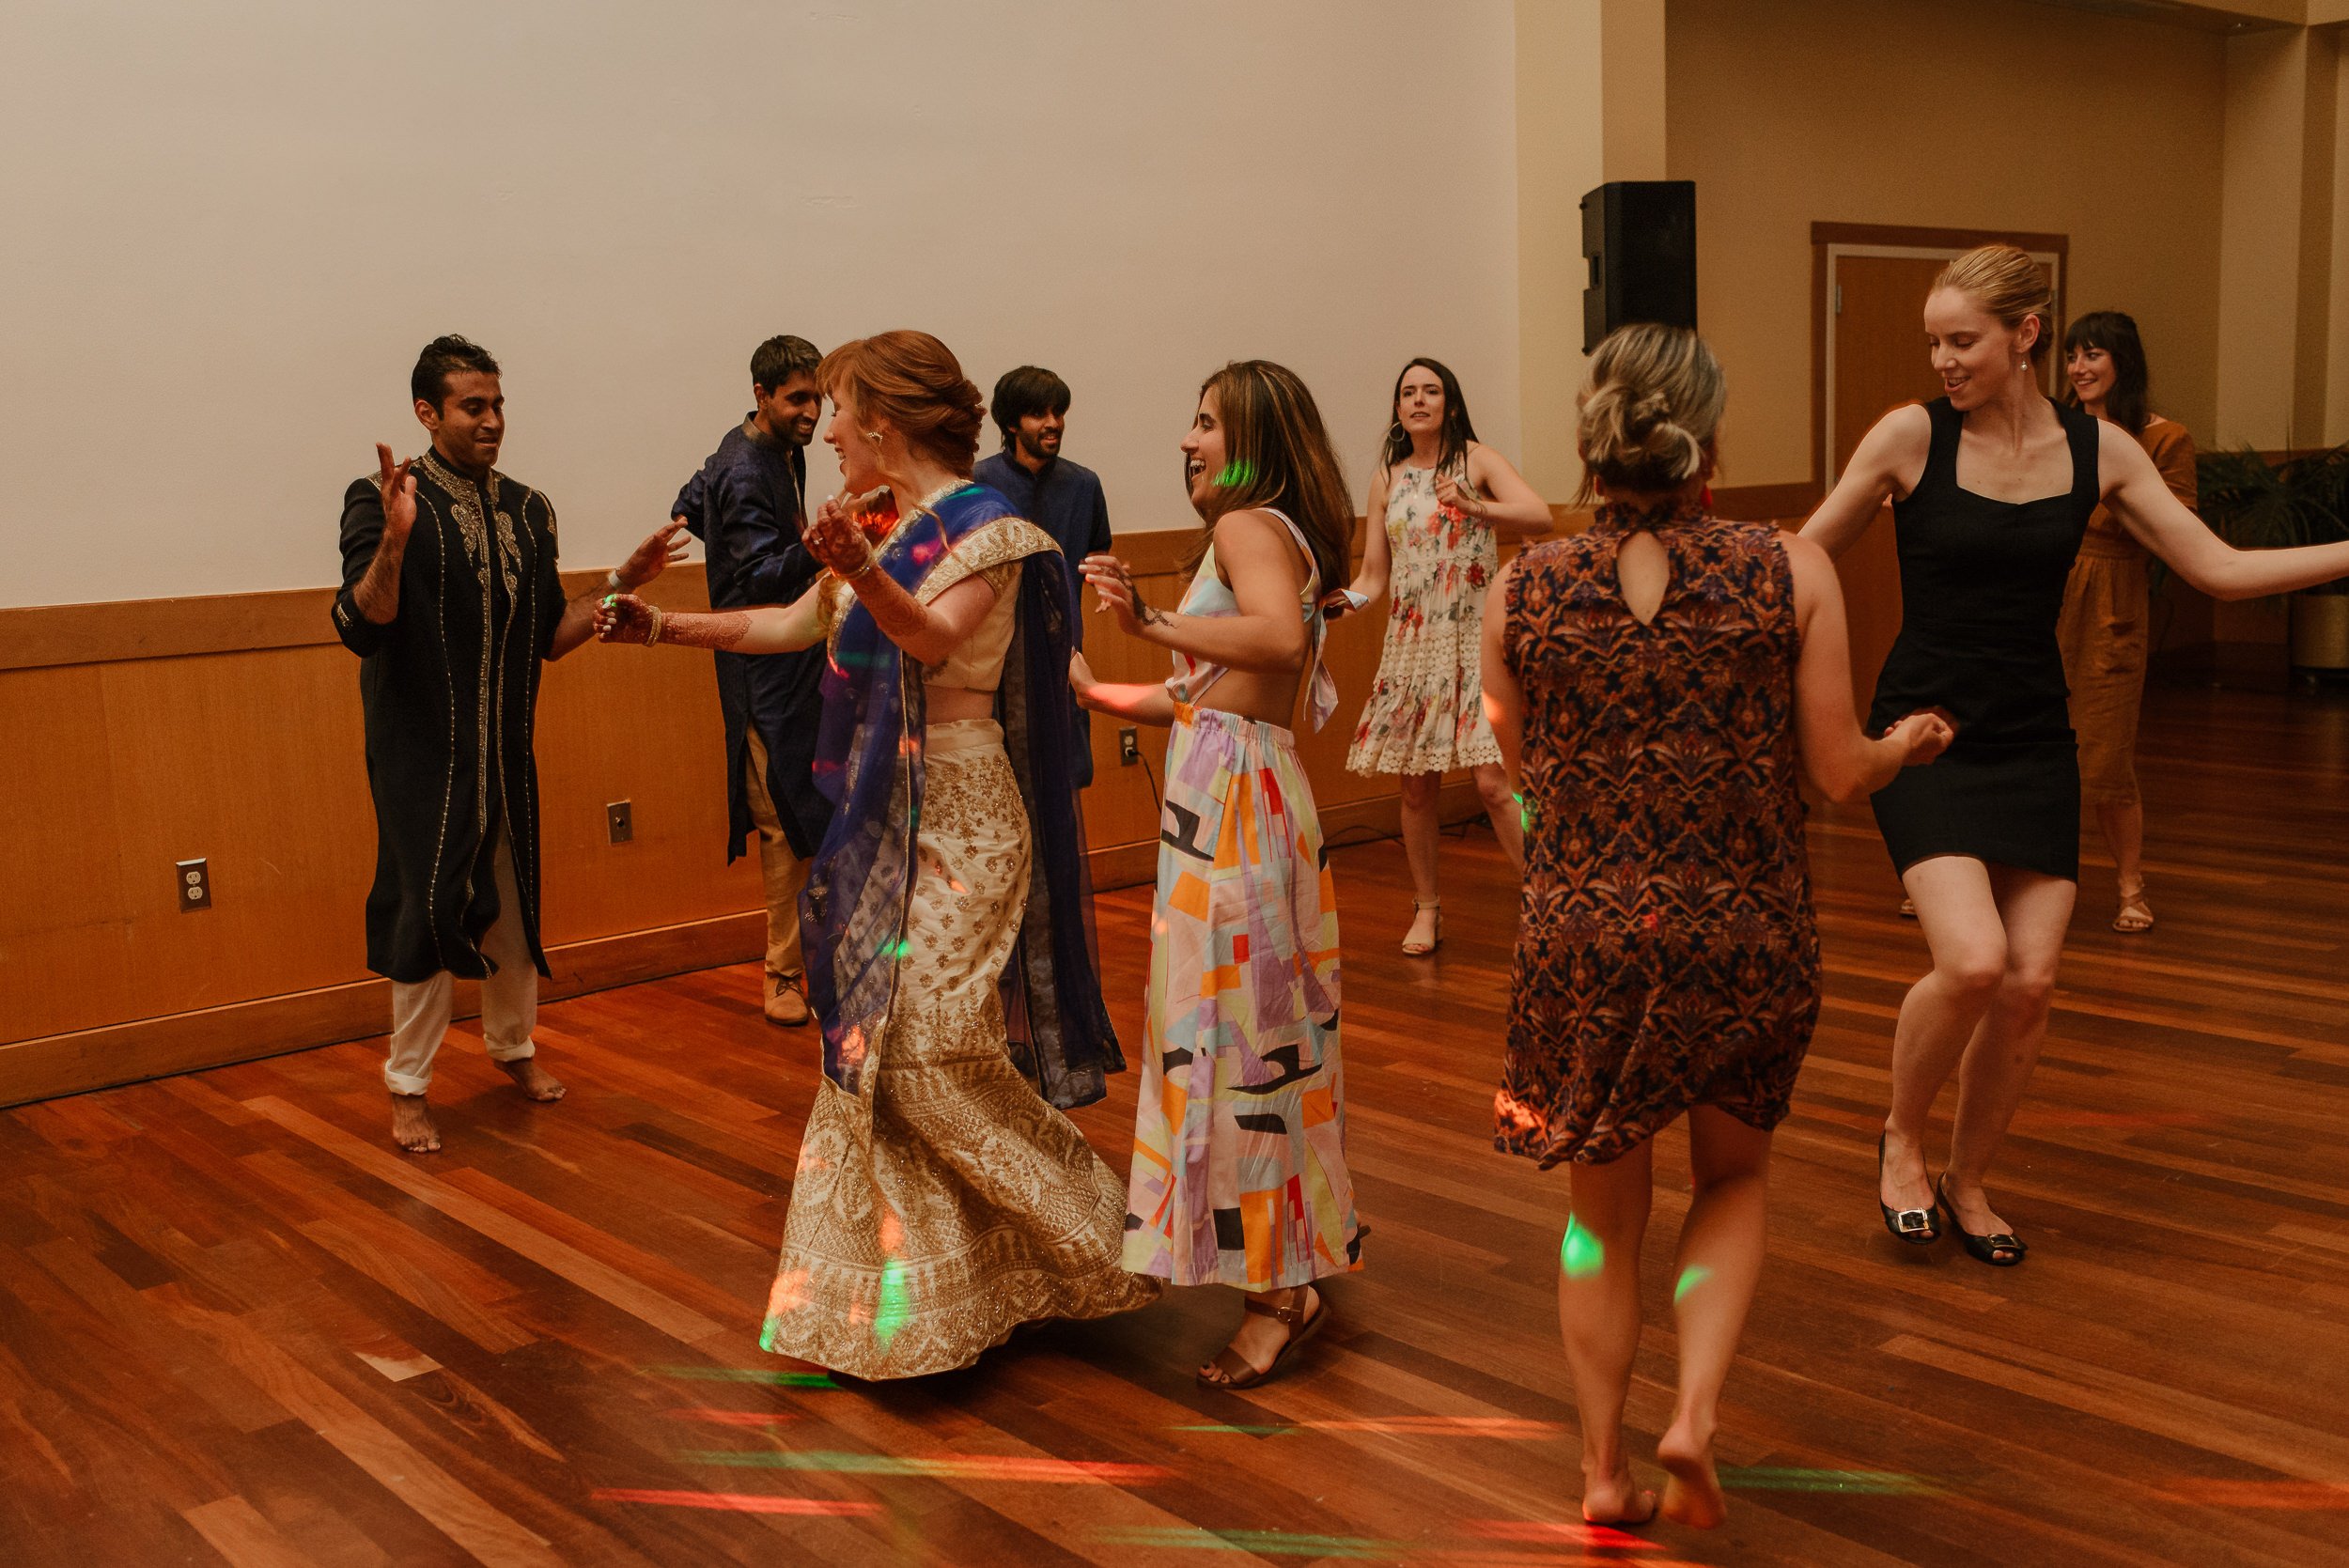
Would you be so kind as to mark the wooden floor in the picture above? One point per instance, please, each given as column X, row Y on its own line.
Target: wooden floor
column 236, row 1326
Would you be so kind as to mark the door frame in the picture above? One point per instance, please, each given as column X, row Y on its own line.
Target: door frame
column 1831, row 240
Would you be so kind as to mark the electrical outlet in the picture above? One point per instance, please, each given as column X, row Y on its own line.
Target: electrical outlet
column 620, row 820
column 195, row 886
column 1129, row 746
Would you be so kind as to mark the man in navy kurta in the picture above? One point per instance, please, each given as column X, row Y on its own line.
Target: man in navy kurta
column 747, row 506
column 1065, row 499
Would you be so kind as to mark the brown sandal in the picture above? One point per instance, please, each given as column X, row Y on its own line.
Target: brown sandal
column 2135, row 914
column 1230, row 1369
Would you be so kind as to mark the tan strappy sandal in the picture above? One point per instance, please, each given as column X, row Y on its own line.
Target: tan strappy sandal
column 2135, row 914
column 1420, row 950
column 1230, row 1369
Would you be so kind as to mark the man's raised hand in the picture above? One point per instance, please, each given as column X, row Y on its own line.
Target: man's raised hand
column 662, row 549
column 399, row 496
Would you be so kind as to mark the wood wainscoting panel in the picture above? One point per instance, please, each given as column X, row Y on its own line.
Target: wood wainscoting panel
column 63, row 942
column 148, row 733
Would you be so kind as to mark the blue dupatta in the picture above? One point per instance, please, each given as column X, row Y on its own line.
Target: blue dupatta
column 869, row 762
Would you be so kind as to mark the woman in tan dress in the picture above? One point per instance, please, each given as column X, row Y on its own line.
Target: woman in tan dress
column 2107, row 601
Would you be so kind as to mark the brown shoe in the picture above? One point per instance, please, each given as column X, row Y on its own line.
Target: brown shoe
column 785, row 1005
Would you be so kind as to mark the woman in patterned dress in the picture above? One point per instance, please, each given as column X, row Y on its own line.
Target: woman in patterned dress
column 940, row 1198
column 1653, row 682
column 1239, row 1173
column 1443, row 497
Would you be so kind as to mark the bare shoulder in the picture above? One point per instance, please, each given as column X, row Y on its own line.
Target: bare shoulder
column 1907, row 425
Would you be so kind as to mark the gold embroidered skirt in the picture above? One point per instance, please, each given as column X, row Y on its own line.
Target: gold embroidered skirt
column 950, row 1204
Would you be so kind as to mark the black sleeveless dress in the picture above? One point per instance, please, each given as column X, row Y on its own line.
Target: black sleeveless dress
column 1982, row 587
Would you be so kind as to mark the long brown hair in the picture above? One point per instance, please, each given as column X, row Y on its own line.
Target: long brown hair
column 1453, row 440
column 1277, row 454
column 915, row 382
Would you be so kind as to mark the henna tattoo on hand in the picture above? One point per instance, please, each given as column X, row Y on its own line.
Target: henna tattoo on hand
column 1145, row 613
column 722, row 629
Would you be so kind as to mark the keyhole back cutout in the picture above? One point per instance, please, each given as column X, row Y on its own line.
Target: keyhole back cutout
column 1643, row 574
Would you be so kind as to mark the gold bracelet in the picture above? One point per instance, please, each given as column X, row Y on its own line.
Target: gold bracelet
column 654, row 635
column 871, row 559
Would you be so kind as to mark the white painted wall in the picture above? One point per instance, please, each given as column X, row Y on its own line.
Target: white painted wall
column 230, row 227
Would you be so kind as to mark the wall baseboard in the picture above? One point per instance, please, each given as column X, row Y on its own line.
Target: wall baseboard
column 54, row 1064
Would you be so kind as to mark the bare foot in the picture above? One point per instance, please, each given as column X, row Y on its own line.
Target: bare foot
column 411, row 1125
column 1692, row 1491
column 534, row 1081
column 1616, row 1498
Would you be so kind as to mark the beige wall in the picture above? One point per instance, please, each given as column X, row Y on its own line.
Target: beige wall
column 1589, row 108
column 231, row 226
column 1995, row 114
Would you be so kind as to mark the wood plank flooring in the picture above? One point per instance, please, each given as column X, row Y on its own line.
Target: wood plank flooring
column 237, row 1329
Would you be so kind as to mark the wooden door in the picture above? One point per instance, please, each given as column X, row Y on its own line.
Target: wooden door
column 1878, row 362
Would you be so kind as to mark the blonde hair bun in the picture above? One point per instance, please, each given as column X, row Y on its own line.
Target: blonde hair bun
column 1650, row 409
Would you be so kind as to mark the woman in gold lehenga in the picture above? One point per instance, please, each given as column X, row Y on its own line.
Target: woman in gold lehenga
column 940, row 1200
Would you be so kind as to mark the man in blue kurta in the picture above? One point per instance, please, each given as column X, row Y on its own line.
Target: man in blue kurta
column 1031, row 409
column 747, row 506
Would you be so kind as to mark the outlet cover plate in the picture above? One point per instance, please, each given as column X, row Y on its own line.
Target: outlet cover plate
column 195, row 879
column 621, row 820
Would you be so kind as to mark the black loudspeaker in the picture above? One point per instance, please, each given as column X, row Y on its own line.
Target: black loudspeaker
column 1640, row 237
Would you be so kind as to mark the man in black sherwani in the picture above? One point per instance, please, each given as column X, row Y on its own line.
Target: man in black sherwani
column 451, row 599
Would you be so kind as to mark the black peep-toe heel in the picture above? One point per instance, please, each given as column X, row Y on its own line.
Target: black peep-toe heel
column 1988, row 1248
column 1913, row 1226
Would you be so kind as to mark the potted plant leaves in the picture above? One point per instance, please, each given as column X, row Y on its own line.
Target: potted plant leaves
column 2255, row 504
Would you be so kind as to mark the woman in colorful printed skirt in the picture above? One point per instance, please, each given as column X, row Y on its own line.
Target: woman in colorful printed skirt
column 1239, row 1170
column 1441, row 499
column 941, row 1200
column 1654, row 683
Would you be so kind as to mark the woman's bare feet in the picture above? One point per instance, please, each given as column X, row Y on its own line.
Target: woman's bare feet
column 1692, row 1490
column 1613, row 1498
column 411, row 1125
column 533, row 1080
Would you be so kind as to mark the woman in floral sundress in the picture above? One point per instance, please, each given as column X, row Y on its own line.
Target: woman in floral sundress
column 1443, row 496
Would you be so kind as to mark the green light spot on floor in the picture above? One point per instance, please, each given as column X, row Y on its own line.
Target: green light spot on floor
column 1582, row 1255
column 1264, row 1542
column 1241, row 1431
column 747, row 1374
column 891, row 1314
column 1690, row 1278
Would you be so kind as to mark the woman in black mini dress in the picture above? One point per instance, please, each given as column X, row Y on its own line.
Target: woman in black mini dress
column 1991, row 488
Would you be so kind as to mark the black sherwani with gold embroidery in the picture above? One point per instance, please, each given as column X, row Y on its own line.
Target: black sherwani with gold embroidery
column 450, row 691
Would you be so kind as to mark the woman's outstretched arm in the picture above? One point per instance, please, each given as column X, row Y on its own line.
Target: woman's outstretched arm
column 2134, row 490
column 761, row 628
